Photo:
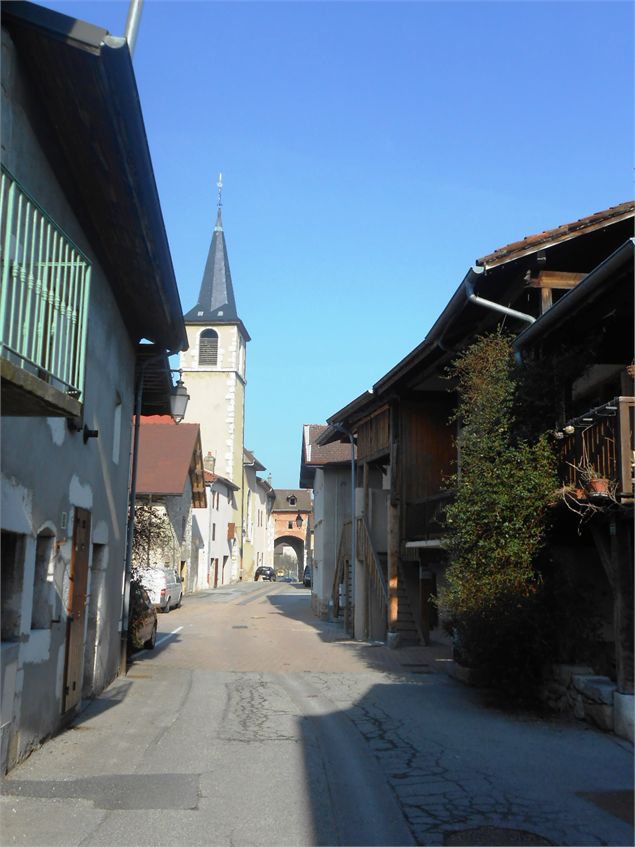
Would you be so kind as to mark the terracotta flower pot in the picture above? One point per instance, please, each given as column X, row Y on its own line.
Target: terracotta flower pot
column 598, row 486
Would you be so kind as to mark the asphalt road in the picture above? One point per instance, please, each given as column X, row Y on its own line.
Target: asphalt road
column 252, row 723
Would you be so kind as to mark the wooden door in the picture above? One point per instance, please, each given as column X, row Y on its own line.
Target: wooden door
column 76, row 610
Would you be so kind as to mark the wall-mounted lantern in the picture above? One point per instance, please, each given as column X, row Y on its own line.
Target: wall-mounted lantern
column 178, row 401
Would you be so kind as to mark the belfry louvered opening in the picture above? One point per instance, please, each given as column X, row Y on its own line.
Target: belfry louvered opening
column 208, row 349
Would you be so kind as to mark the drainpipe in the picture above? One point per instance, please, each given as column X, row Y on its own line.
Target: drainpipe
column 351, row 437
column 331, row 603
column 468, row 285
column 132, row 23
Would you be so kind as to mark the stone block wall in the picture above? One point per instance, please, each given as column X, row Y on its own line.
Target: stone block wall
column 577, row 690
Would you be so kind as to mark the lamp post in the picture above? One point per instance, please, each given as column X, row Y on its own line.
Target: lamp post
column 178, row 403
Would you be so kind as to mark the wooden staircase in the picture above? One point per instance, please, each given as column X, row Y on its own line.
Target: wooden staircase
column 406, row 624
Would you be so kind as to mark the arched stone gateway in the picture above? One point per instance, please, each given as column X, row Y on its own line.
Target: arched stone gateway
column 288, row 555
column 292, row 513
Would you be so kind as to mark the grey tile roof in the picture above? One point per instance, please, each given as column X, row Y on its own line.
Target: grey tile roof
column 216, row 302
column 303, row 503
column 250, row 460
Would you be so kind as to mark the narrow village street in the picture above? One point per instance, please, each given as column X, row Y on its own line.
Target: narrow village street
column 252, row 723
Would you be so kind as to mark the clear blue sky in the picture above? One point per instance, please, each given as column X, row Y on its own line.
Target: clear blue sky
column 370, row 153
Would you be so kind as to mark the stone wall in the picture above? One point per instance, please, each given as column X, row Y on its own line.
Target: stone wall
column 577, row 690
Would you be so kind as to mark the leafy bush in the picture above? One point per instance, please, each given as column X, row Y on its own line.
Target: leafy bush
column 153, row 538
column 496, row 525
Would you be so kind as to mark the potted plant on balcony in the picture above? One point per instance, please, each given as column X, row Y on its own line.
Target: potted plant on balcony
column 593, row 481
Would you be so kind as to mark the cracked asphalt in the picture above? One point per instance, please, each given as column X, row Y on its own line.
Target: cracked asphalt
column 252, row 723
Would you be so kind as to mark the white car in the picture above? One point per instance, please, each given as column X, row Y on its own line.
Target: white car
column 164, row 587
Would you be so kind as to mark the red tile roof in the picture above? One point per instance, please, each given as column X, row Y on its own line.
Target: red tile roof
column 158, row 419
column 166, row 451
column 315, row 455
column 532, row 243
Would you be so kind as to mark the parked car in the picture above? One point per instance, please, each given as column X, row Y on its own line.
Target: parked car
column 164, row 586
column 142, row 619
column 287, row 578
column 264, row 572
column 307, row 576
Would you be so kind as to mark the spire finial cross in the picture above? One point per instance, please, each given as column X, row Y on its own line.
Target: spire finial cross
column 219, row 185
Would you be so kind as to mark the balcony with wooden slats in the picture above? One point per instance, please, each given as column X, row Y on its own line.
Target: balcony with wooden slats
column 599, row 445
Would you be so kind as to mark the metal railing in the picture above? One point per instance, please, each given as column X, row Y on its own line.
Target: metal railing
column 44, row 294
column 599, row 444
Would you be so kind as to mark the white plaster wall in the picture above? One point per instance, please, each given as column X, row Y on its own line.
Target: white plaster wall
column 217, row 397
column 220, row 546
column 217, row 403
column 47, row 470
column 261, row 551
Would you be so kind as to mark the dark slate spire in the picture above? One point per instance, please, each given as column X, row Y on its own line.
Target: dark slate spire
column 216, row 303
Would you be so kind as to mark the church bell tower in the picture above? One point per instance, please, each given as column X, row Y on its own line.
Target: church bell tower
column 214, row 366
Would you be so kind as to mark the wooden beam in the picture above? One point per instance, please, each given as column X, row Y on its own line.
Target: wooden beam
column 425, row 592
column 622, row 556
column 615, row 550
column 546, row 300
column 624, row 449
column 393, row 565
column 394, row 523
column 553, row 279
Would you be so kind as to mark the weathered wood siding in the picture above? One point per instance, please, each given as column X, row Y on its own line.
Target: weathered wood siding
column 373, row 435
column 427, row 445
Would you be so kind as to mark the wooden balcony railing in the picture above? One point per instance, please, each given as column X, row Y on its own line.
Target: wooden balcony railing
column 343, row 576
column 367, row 554
column 600, row 444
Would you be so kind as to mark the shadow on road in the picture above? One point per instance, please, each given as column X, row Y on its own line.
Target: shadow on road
column 412, row 659
column 112, row 696
column 412, row 763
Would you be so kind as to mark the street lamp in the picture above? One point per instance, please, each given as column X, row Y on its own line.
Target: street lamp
column 178, row 400
column 299, row 521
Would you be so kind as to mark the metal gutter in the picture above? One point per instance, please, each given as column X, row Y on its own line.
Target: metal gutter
column 132, row 23
column 578, row 296
column 490, row 304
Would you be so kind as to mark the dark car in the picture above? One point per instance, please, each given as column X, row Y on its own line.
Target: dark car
column 307, row 576
column 265, row 572
column 142, row 619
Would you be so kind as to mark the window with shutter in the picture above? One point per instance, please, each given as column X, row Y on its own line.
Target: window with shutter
column 208, row 349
